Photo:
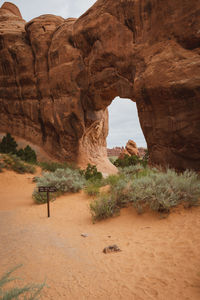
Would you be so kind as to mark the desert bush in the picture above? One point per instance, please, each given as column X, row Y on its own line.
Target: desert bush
column 41, row 197
column 162, row 191
column 92, row 188
column 113, row 180
column 8, row 144
column 28, row 292
column 137, row 171
column 91, row 173
column 120, row 192
column 103, row 207
column 27, row 154
column 148, row 189
column 126, row 161
column 13, row 162
column 64, row 180
column 53, row 166
column 131, row 170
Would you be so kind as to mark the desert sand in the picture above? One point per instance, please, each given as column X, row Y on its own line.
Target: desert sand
column 159, row 257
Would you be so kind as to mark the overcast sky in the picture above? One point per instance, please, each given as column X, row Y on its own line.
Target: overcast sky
column 123, row 117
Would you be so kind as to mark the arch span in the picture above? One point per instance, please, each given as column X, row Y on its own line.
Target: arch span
column 58, row 76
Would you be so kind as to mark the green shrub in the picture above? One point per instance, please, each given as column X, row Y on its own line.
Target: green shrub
column 162, row 191
column 148, row 189
column 29, row 292
column 64, row 180
column 8, row 144
column 13, row 162
column 41, row 198
column 30, row 155
column 91, row 173
column 113, row 180
column 27, row 154
column 104, row 207
column 92, row 187
column 137, row 171
column 53, row 166
column 20, row 154
column 126, row 161
column 131, row 170
column 92, row 190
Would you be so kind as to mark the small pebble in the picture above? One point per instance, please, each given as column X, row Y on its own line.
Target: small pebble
column 84, row 234
column 112, row 248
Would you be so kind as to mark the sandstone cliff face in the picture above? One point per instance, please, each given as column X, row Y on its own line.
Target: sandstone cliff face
column 58, row 76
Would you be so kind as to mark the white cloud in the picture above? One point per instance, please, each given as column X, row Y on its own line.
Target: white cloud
column 124, row 124
column 64, row 8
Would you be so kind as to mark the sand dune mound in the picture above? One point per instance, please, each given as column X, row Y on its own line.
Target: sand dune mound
column 159, row 258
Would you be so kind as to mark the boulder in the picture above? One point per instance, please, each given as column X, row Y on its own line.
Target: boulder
column 130, row 149
column 57, row 78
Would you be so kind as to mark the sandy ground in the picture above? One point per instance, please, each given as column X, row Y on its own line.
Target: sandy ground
column 160, row 258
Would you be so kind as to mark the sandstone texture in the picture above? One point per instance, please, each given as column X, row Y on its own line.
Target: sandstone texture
column 130, row 149
column 116, row 151
column 58, row 76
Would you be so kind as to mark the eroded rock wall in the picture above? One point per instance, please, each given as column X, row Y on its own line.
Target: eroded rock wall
column 58, row 76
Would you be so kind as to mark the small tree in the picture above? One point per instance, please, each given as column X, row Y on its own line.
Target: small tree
column 20, row 153
column 91, row 173
column 8, row 144
column 29, row 154
column 127, row 161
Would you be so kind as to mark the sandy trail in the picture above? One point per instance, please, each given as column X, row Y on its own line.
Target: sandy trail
column 159, row 257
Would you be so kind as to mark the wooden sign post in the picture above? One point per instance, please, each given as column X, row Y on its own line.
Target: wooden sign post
column 47, row 189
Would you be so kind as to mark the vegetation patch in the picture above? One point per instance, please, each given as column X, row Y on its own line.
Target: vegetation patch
column 14, row 163
column 28, row 292
column 91, row 173
column 162, row 191
column 103, row 207
column 64, row 180
column 27, row 154
column 132, row 160
column 53, row 166
column 8, row 145
column 92, row 188
column 145, row 189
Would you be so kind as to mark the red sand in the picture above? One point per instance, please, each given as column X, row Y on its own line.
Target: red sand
column 159, row 258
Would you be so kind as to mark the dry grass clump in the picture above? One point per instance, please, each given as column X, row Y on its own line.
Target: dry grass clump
column 13, row 162
column 52, row 166
column 103, row 207
column 64, row 180
column 146, row 188
column 28, row 292
column 162, row 191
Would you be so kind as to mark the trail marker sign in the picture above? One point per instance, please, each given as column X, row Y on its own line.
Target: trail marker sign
column 47, row 189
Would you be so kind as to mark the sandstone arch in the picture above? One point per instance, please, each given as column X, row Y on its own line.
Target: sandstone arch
column 58, row 76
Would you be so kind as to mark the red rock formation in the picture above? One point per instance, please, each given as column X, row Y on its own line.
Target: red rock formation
column 130, row 149
column 116, row 151
column 58, row 76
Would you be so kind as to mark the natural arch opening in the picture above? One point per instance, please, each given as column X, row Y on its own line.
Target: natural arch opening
column 124, row 125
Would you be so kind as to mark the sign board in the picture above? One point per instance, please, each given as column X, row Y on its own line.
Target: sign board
column 50, row 189
column 47, row 189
